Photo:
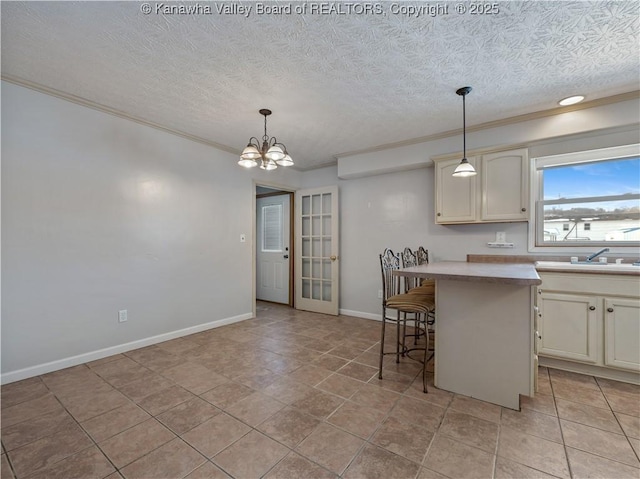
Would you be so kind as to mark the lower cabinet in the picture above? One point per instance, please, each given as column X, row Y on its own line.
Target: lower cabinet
column 622, row 333
column 569, row 326
column 590, row 319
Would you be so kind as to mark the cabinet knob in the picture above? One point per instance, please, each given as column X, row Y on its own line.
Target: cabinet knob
column 592, row 308
column 523, row 210
column 610, row 310
column 439, row 214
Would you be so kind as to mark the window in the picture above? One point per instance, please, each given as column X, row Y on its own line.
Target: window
column 588, row 198
column 272, row 228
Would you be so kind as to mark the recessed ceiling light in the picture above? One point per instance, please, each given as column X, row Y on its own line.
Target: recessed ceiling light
column 572, row 100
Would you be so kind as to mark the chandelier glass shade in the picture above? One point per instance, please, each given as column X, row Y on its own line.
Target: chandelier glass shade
column 464, row 169
column 268, row 155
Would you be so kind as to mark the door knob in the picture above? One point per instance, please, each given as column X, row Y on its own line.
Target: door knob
column 333, row 257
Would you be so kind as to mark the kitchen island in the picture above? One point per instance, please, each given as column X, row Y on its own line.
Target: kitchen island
column 485, row 329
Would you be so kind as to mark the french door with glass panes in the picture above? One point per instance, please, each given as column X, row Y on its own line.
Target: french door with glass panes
column 317, row 260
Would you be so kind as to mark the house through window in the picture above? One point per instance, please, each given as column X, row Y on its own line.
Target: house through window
column 588, row 197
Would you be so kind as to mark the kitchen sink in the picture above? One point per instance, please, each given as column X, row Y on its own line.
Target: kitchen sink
column 587, row 265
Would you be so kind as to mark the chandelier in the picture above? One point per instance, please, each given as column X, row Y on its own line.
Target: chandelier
column 268, row 155
column 464, row 169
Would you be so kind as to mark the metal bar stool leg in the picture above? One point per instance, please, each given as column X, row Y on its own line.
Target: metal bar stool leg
column 384, row 315
column 398, row 339
column 424, row 364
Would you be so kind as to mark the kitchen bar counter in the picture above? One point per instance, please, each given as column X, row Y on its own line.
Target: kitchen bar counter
column 484, row 342
column 522, row 274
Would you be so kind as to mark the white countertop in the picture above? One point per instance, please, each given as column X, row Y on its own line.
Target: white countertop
column 521, row 274
column 599, row 268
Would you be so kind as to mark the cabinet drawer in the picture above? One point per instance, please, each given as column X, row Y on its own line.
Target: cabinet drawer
column 598, row 284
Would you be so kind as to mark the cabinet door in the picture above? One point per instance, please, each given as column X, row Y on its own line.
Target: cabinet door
column 568, row 326
column 455, row 197
column 505, row 186
column 622, row 333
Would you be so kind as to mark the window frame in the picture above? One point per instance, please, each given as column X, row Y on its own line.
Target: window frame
column 537, row 203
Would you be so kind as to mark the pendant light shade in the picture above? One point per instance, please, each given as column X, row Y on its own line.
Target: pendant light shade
column 250, row 153
column 464, row 169
column 249, row 157
column 268, row 155
column 275, row 153
column 286, row 161
column 268, row 165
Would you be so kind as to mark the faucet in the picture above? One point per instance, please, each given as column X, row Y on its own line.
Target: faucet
column 595, row 255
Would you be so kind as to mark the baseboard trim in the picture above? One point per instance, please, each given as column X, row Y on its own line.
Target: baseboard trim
column 360, row 314
column 56, row 365
column 597, row 371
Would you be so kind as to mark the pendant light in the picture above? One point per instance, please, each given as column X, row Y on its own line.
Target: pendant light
column 271, row 153
column 464, row 169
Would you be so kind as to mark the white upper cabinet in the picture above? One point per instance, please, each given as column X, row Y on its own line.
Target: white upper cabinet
column 498, row 193
column 455, row 197
column 505, row 186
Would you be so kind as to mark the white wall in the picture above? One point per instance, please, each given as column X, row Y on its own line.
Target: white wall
column 100, row 214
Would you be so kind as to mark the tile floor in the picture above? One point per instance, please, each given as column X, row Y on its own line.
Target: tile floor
column 295, row 395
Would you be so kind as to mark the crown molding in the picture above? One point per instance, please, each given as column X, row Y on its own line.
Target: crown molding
column 498, row 123
column 111, row 111
column 387, row 146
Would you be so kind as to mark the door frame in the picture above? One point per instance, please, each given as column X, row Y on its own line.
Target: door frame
column 281, row 190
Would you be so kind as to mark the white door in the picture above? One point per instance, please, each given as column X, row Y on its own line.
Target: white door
column 317, row 259
column 272, row 248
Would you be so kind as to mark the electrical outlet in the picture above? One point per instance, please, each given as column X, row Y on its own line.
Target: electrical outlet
column 501, row 237
column 122, row 316
column 379, row 294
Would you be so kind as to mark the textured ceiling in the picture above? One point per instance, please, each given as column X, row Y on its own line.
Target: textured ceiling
column 336, row 81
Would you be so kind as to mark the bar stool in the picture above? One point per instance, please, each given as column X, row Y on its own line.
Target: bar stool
column 413, row 307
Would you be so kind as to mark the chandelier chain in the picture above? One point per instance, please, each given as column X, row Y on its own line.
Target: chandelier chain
column 464, row 128
column 265, row 137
